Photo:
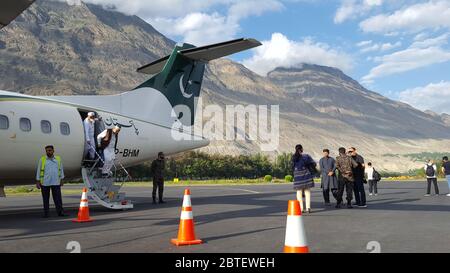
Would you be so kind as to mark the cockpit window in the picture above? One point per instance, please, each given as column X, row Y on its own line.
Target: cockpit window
column 46, row 126
column 25, row 124
column 64, row 128
column 4, row 122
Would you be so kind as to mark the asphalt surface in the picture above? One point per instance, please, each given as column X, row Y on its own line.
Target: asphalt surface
column 234, row 219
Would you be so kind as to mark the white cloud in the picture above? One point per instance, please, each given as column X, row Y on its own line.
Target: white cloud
column 380, row 47
column 244, row 9
column 198, row 28
column 434, row 97
column 159, row 8
column 421, row 36
column 364, row 43
column 428, row 42
column 354, row 8
column 419, row 54
column 414, row 18
column 282, row 52
column 192, row 20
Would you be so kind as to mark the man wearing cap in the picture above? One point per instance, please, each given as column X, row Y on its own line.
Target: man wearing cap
column 345, row 165
column 107, row 141
column 89, row 147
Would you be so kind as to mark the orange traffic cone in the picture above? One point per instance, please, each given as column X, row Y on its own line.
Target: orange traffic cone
column 83, row 212
column 295, row 240
column 186, row 233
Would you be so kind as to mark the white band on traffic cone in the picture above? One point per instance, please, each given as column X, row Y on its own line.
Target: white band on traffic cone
column 186, row 215
column 187, row 201
column 295, row 233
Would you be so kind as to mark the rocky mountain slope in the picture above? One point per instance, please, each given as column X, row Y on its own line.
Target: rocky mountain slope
column 54, row 48
column 332, row 92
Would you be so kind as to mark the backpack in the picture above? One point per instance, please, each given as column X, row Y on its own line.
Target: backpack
column 376, row 175
column 430, row 171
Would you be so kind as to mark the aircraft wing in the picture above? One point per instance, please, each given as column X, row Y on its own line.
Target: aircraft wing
column 216, row 51
column 204, row 53
column 10, row 9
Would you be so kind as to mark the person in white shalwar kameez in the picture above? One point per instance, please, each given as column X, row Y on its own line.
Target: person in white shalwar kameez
column 107, row 140
column 89, row 147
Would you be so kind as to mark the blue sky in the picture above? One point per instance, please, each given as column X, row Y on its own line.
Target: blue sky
column 398, row 48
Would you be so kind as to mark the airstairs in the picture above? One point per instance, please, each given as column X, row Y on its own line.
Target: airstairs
column 105, row 190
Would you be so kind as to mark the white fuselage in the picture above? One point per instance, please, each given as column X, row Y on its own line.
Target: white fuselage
column 145, row 115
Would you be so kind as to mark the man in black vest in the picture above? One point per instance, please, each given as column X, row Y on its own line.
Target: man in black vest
column 157, row 171
column 358, row 173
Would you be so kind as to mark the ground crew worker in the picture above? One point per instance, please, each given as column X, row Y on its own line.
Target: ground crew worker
column 157, row 171
column 345, row 165
column 49, row 174
column 89, row 130
column 107, row 140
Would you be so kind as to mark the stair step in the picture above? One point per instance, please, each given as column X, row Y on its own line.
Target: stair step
column 104, row 191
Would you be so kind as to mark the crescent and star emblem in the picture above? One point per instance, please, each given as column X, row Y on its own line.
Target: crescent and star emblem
column 183, row 91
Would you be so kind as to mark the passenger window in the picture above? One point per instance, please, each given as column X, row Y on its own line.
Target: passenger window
column 25, row 124
column 4, row 122
column 64, row 128
column 46, row 127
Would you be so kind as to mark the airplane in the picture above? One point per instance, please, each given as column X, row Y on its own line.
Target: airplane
column 146, row 114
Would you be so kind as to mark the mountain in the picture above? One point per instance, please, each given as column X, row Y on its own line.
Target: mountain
column 328, row 117
column 56, row 49
column 332, row 92
column 446, row 119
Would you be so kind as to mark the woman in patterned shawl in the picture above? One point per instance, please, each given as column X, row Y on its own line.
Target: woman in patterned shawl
column 303, row 168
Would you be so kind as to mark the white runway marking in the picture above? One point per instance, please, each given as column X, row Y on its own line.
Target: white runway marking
column 237, row 189
column 214, row 188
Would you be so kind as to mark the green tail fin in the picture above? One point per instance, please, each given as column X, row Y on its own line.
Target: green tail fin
column 180, row 80
column 179, row 76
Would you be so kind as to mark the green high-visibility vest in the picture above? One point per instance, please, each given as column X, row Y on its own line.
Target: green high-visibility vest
column 43, row 160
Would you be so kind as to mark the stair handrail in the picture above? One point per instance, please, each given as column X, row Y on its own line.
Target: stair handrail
column 100, row 159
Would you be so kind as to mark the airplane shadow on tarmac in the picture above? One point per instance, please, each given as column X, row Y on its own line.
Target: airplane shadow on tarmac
column 34, row 227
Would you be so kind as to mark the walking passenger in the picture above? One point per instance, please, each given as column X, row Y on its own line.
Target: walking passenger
column 89, row 147
column 373, row 177
column 345, row 165
column 446, row 171
column 107, row 141
column 329, row 182
column 358, row 173
column 303, row 168
column 431, row 173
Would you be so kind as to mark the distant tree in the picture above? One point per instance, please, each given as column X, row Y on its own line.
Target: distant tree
column 198, row 165
column 282, row 165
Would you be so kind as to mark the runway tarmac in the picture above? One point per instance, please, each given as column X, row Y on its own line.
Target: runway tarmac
column 234, row 219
